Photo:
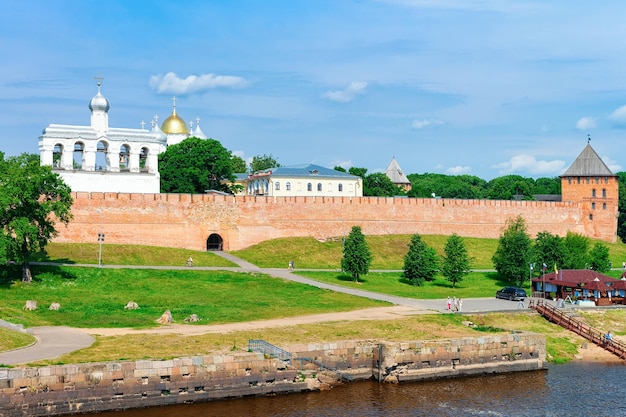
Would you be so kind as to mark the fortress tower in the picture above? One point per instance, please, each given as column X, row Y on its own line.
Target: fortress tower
column 591, row 184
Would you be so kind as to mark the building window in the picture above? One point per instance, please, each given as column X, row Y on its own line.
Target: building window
column 603, row 206
column 57, row 155
column 604, row 193
column 597, row 180
column 288, row 186
column 587, row 180
column 590, row 216
column 606, row 180
column 593, row 206
column 593, row 192
column 578, row 179
column 319, row 186
column 340, row 187
column 309, row 187
column 569, row 180
column 277, row 186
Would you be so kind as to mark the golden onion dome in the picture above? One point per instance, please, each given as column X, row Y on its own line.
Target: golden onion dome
column 174, row 125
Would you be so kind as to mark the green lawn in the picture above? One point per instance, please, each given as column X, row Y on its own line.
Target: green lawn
column 95, row 297
column 10, row 339
column 388, row 252
column 474, row 285
column 87, row 253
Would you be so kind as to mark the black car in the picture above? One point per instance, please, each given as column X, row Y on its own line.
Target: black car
column 511, row 293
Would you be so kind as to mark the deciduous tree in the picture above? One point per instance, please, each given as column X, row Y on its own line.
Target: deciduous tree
column 32, row 200
column 263, row 162
column 599, row 257
column 196, row 165
column 576, row 247
column 379, row 185
column 356, row 254
column 513, row 254
column 420, row 262
column 548, row 250
column 238, row 164
column 456, row 263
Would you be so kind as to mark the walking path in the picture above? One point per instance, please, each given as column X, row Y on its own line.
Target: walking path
column 55, row 341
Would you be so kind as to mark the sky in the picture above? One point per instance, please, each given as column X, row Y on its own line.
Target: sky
column 483, row 87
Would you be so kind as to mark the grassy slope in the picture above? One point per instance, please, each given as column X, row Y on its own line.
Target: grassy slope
column 87, row 253
column 11, row 340
column 388, row 252
column 94, row 297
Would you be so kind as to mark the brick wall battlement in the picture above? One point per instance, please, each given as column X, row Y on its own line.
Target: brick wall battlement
column 187, row 220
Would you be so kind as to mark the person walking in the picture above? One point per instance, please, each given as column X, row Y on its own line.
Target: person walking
column 449, row 303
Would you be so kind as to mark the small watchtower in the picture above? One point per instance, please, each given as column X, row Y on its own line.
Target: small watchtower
column 590, row 183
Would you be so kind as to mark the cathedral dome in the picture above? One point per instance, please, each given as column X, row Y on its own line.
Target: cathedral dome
column 99, row 102
column 174, row 125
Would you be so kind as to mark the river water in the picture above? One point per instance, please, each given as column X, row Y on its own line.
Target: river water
column 573, row 390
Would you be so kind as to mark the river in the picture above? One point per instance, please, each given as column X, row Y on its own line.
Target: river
column 573, row 390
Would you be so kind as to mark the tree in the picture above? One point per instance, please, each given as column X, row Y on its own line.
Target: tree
column 420, row 262
column 576, row 247
column 339, row 168
column 378, row 184
column 513, row 253
column 356, row 254
column 599, row 257
column 359, row 172
column 196, row 165
column 32, row 200
column 549, row 250
column 263, row 162
column 455, row 262
column 509, row 186
column 239, row 166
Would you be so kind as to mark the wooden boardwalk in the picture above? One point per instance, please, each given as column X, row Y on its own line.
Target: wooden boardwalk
column 570, row 323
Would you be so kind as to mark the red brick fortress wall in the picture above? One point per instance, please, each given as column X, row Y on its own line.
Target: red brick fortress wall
column 186, row 221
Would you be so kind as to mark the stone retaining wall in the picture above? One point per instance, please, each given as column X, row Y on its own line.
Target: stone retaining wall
column 95, row 387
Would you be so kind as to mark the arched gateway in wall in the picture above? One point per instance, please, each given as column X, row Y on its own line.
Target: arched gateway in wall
column 214, row 242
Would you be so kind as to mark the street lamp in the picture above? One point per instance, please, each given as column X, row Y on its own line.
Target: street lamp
column 100, row 241
column 530, row 275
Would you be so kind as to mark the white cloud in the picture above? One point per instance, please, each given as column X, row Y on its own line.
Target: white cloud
column 527, row 163
column 613, row 165
column 425, row 123
column 344, row 164
column 586, row 123
column 347, row 94
column 170, row 83
column 458, row 170
column 619, row 115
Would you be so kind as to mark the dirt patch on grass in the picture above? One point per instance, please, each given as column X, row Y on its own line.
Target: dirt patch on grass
column 378, row 313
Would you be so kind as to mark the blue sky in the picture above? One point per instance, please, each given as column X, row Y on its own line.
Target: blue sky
column 482, row 87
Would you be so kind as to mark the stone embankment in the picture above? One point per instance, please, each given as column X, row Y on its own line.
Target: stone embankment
column 96, row 387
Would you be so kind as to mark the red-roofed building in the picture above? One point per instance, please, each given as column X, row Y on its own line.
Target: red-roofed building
column 579, row 284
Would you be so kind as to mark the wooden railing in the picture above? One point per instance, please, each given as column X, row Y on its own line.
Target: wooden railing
column 570, row 323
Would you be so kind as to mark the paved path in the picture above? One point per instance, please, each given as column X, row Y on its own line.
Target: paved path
column 52, row 342
column 56, row 341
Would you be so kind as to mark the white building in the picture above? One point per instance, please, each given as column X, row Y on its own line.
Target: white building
column 303, row 180
column 99, row 158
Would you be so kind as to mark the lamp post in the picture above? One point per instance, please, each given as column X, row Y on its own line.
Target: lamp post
column 100, row 241
column 543, row 277
column 530, row 275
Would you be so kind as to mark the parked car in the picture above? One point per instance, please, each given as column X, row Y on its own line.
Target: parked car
column 511, row 293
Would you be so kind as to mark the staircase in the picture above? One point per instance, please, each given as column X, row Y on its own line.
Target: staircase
column 570, row 323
